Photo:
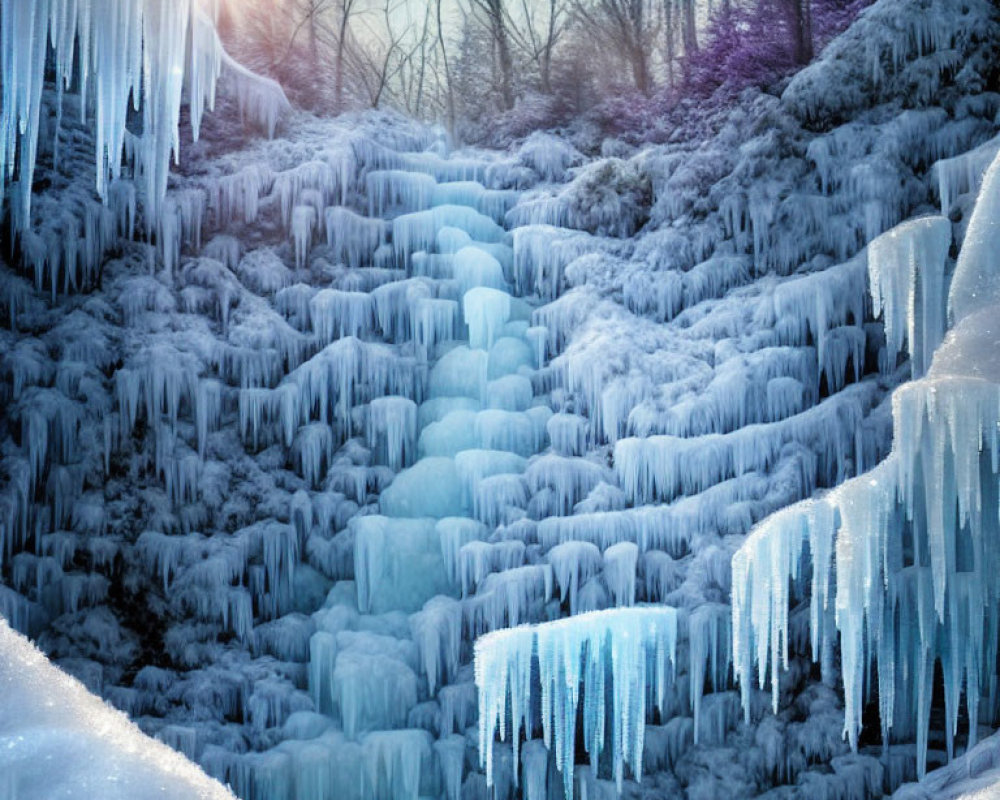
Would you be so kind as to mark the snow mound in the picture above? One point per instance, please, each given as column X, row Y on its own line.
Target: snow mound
column 59, row 740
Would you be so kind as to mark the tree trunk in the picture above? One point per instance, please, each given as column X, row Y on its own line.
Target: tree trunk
column 802, row 30
column 690, row 29
column 313, row 38
column 640, row 58
column 506, row 64
column 545, row 66
column 670, row 52
column 450, row 94
column 338, row 85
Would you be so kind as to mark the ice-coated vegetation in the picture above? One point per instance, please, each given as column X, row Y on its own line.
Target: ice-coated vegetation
column 336, row 459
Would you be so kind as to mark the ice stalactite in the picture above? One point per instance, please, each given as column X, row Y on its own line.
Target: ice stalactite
column 906, row 273
column 351, row 237
column 392, row 425
column 420, row 464
column 634, row 648
column 303, row 225
column 135, row 48
column 907, row 550
column 963, row 173
column 419, row 230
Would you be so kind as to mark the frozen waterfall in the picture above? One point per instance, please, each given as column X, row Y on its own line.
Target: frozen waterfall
column 342, row 458
column 901, row 560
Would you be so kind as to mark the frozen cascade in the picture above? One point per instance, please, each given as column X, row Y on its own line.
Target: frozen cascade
column 395, row 303
column 336, row 314
column 419, row 230
column 398, row 563
column 573, row 564
column 634, row 647
column 392, row 425
column 398, row 189
column 450, row 435
column 918, row 531
column 351, row 237
column 435, row 321
column 437, row 630
column 499, row 497
column 963, row 173
column 710, row 654
column 307, row 380
column 454, row 533
column 620, row 562
column 461, row 372
column 402, row 453
column 663, row 467
column 474, row 266
column 303, row 225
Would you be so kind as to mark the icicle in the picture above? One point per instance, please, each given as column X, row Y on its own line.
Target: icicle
column 437, row 630
column 434, row 321
column 352, row 239
column 137, row 48
column 485, row 311
column 418, row 231
column 397, row 189
column 963, row 173
column 906, row 269
column 392, row 426
column 634, row 648
column 911, row 544
column 335, row 314
column 303, row 225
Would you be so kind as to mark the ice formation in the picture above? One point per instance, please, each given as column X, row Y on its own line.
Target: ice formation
column 364, row 404
column 634, row 649
column 109, row 48
column 899, row 558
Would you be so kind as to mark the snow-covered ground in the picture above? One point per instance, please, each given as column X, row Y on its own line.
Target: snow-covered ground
column 284, row 484
column 59, row 740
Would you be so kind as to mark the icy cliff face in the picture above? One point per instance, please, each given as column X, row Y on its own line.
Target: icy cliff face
column 378, row 441
column 899, row 558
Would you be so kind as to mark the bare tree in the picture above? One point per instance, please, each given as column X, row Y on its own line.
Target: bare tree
column 670, row 39
column 449, row 86
column 495, row 16
column 690, row 27
column 535, row 30
column 343, row 12
column 629, row 26
column 390, row 56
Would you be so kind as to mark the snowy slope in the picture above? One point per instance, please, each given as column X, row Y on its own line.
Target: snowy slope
column 59, row 741
column 365, row 402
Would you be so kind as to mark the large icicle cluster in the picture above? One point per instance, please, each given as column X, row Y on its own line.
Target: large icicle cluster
column 626, row 653
column 902, row 559
column 143, row 53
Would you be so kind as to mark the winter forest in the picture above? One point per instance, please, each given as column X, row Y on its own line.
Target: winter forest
column 499, row 399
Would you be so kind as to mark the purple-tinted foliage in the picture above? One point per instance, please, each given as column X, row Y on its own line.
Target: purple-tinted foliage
column 748, row 45
column 753, row 44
